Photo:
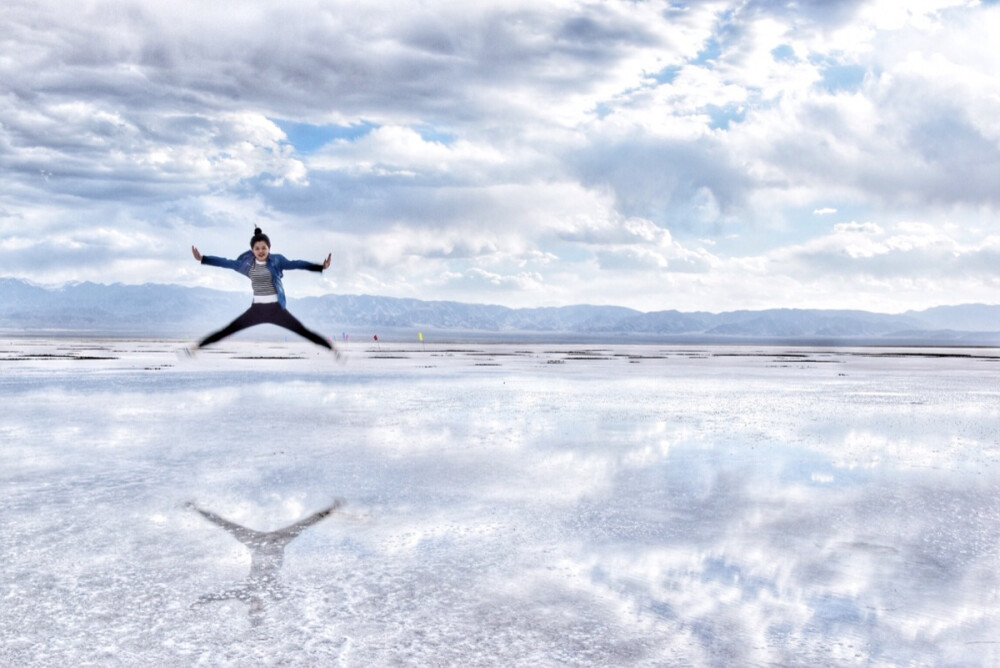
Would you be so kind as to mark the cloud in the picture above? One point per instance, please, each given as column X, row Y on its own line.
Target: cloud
column 402, row 151
column 507, row 137
column 478, row 277
column 868, row 249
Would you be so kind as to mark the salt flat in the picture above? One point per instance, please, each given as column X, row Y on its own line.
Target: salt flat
column 521, row 504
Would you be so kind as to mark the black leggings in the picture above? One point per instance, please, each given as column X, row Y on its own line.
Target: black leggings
column 259, row 314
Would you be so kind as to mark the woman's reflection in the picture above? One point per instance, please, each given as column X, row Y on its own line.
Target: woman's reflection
column 267, row 550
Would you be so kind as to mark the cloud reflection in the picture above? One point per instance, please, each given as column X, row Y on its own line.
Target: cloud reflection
column 755, row 568
column 674, row 510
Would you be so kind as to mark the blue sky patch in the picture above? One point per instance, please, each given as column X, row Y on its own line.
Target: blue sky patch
column 667, row 75
column 432, row 134
column 784, row 54
column 603, row 109
column 839, row 78
column 710, row 53
column 723, row 116
column 307, row 137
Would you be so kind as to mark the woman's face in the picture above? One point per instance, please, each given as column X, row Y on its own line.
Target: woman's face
column 261, row 250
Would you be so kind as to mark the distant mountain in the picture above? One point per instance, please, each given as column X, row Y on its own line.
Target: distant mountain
column 87, row 307
column 965, row 317
column 793, row 323
column 169, row 310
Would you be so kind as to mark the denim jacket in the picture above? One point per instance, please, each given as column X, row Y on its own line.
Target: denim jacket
column 275, row 263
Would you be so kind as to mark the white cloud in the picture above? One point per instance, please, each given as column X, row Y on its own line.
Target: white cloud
column 588, row 147
column 474, row 278
column 396, row 150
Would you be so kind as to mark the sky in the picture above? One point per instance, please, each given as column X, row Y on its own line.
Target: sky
column 714, row 155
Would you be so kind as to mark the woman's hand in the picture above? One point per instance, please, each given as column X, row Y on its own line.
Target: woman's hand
column 326, row 262
column 197, row 255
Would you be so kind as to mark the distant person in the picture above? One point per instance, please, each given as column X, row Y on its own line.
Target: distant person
column 267, row 553
column 264, row 269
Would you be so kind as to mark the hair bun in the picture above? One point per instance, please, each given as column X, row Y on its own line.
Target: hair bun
column 256, row 231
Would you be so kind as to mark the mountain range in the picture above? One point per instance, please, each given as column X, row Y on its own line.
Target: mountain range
column 171, row 310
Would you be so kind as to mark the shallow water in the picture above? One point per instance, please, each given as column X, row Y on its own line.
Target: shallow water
column 503, row 505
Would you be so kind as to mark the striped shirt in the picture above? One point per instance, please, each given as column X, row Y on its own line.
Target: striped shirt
column 263, row 283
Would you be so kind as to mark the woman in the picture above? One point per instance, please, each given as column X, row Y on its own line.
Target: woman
column 264, row 270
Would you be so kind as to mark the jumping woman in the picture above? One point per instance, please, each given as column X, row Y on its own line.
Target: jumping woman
column 264, row 269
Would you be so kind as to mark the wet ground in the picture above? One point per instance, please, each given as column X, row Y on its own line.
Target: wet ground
column 499, row 505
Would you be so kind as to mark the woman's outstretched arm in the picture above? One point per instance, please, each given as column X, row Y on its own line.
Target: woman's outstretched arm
column 283, row 263
column 213, row 261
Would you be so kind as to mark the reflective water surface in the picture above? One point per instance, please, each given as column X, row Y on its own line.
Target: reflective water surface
column 501, row 505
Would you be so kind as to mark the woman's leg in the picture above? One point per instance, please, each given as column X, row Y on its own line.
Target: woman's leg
column 282, row 318
column 252, row 316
